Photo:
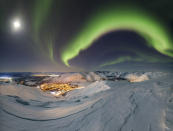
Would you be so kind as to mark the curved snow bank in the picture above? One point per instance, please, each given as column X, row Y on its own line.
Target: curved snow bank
column 21, row 91
column 30, row 103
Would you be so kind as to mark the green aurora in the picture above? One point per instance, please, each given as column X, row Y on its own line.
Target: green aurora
column 42, row 10
column 120, row 59
column 140, row 58
column 122, row 18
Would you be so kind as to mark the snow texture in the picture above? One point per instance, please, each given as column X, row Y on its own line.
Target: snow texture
column 108, row 101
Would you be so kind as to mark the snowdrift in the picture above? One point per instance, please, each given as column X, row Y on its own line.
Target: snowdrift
column 108, row 101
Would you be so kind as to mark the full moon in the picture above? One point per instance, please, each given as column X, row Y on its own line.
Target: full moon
column 16, row 25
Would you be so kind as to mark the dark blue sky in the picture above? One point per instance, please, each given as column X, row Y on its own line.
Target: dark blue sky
column 19, row 51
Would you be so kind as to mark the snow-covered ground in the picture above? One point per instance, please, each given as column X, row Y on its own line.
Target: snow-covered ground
column 108, row 101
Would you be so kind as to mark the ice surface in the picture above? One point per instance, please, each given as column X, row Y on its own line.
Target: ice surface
column 108, row 101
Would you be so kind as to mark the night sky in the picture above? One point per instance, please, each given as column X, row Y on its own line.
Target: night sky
column 82, row 35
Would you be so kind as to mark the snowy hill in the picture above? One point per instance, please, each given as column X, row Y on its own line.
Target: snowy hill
column 108, row 101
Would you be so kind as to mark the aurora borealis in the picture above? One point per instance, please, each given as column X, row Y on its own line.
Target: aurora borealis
column 67, row 35
column 155, row 33
column 40, row 14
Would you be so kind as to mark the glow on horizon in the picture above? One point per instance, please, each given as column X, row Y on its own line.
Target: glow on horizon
column 6, row 78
